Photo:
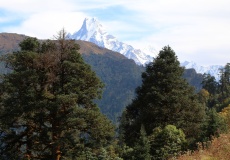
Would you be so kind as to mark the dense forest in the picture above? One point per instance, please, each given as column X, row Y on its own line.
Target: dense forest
column 121, row 76
column 51, row 107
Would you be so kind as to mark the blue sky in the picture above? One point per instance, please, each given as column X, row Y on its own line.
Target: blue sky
column 197, row 30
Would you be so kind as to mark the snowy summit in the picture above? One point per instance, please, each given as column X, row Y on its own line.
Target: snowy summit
column 94, row 32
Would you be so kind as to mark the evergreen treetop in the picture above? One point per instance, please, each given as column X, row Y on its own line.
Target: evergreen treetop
column 47, row 103
column 164, row 98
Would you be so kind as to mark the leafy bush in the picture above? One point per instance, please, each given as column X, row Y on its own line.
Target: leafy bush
column 167, row 142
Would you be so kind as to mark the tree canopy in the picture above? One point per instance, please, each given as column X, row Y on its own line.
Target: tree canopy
column 47, row 103
column 164, row 98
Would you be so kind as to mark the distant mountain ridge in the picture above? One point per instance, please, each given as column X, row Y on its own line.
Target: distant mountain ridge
column 213, row 70
column 9, row 42
column 93, row 31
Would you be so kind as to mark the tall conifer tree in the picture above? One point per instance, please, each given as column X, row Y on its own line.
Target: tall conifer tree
column 47, row 107
column 164, row 98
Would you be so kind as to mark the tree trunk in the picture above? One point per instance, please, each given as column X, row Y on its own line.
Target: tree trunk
column 58, row 153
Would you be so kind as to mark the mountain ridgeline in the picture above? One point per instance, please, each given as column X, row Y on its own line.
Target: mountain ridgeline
column 93, row 31
column 120, row 75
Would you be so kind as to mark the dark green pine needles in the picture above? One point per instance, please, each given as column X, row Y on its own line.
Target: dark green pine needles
column 47, row 109
column 164, row 98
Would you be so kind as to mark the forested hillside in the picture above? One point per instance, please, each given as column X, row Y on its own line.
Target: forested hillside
column 120, row 75
column 47, row 103
column 50, row 104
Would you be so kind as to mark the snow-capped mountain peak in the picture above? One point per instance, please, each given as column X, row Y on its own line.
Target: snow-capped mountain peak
column 213, row 70
column 90, row 28
column 93, row 31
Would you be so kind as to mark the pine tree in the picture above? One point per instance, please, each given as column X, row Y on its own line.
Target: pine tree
column 214, row 125
column 47, row 102
column 142, row 147
column 210, row 84
column 224, row 84
column 164, row 98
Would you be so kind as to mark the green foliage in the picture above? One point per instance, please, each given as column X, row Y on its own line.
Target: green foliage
column 127, row 153
column 214, row 125
column 216, row 96
column 99, row 154
column 30, row 44
column 193, row 78
column 167, row 142
column 142, row 146
column 209, row 83
column 47, row 102
column 121, row 76
column 204, row 96
column 225, row 113
column 164, row 98
column 225, row 81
